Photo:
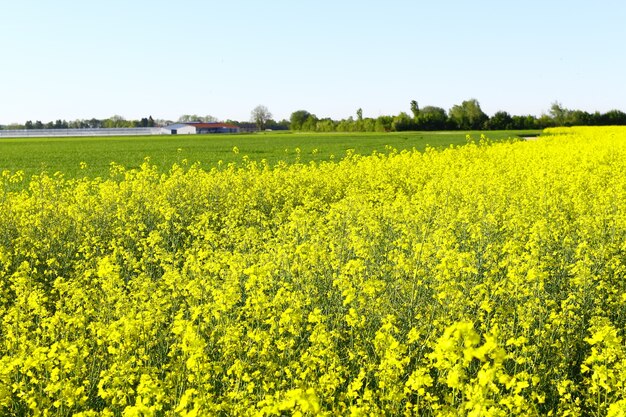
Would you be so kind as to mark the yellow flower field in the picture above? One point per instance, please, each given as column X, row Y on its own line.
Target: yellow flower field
column 484, row 280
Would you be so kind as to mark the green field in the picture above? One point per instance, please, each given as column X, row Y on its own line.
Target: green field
column 35, row 155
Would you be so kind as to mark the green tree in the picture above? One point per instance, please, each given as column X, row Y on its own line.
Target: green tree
column 415, row 109
column 346, row 125
column 468, row 115
column 524, row 122
column 274, row 125
column 358, row 127
column 116, row 121
column 186, row 118
column 545, row 121
column 501, row 120
column 310, row 124
column 298, row 118
column 559, row 114
column 326, row 125
column 580, row 118
column 60, row 124
column 368, row 124
column 383, row 123
column 432, row 118
column 402, row 122
column 95, row 123
column 613, row 117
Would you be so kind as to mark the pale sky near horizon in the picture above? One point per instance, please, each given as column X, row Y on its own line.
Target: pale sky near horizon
column 71, row 59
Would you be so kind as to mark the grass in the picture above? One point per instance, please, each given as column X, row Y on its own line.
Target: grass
column 65, row 155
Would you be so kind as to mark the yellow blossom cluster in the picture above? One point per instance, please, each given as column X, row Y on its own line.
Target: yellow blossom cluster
column 482, row 280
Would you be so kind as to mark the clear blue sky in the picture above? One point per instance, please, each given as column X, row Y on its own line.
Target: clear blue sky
column 71, row 59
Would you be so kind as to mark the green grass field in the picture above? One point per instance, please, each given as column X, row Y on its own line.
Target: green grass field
column 35, row 155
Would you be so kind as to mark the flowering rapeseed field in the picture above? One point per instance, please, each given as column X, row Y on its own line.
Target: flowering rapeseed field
column 479, row 280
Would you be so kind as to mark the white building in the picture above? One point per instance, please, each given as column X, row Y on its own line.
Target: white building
column 191, row 128
column 179, row 129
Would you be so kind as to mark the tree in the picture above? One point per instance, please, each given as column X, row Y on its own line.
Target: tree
column 326, row 125
column 310, row 124
column 559, row 114
column 383, row 124
column 524, row 122
column 95, row 123
column 580, row 118
column 613, row 117
column 545, row 121
column 186, row 118
column 402, row 122
column 468, row 115
column 566, row 117
column 500, row 121
column 298, row 118
column 116, row 121
column 415, row 109
column 358, row 127
column 260, row 115
column 432, row 118
column 368, row 124
column 346, row 125
column 277, row 125
column 60, row 124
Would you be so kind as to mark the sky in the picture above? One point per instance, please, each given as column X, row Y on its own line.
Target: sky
column 77, row 59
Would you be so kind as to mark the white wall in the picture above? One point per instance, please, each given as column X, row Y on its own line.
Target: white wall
column 34, row 133
column 181, row 129
column 186, row 130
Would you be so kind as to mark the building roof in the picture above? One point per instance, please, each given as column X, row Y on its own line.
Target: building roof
column 177, row 126
column 200, row 125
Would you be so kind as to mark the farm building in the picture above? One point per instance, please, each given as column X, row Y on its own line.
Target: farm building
column 216, row 128
column 179, row 129
column 198, row 128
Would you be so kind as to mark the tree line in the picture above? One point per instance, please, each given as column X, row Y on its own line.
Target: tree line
column 111, row 122
column 120, row 122
column 465, row 116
